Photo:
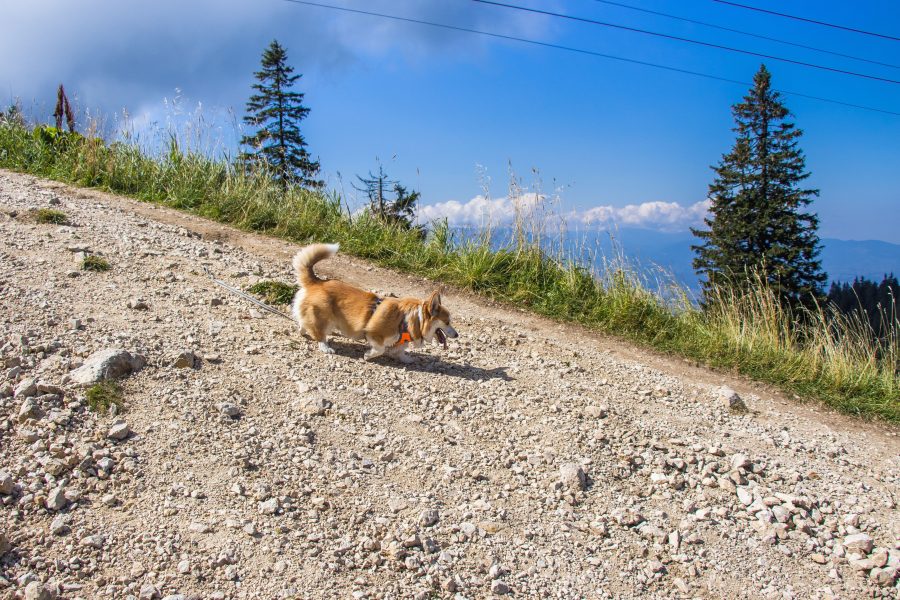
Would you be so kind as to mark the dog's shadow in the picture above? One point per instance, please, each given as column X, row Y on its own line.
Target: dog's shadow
column 422, row 363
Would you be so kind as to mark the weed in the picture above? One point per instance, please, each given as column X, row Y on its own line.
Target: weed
column 95, row 263
column 50, row 216
column 101, row 396
column 274, row 292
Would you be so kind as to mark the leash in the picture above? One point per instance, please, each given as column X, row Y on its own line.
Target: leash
column 245, row 296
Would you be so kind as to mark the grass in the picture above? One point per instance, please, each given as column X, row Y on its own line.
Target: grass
column 101, row 396
column 273, row 292
column 817, row 355
column 50, row 216
column 95, row 263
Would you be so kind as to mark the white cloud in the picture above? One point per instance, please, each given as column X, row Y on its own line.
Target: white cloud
column 667, row 216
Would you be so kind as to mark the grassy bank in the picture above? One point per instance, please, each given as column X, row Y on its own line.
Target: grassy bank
column 821, row 356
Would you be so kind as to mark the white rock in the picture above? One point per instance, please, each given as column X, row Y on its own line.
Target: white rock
column 745, row 496
column 111, row 363
column 119, row 431
column 38, row 591
column 7, row 485
column 572, row 476
column 25, row 389
column 731, row 399
column 229, row 410
column 56, row 500
column 429, row 517
column 269, row 507
column 859, row 541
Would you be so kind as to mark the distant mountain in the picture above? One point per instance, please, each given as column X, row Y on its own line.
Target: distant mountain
column 842, row 260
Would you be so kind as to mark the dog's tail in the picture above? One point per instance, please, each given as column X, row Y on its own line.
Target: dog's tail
column 309, row 256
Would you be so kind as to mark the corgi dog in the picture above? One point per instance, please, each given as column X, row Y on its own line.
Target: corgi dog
column 389, row 325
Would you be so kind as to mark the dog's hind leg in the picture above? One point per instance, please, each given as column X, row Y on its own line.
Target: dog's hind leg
column 317, row 330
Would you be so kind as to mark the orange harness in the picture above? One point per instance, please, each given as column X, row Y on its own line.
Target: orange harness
column 405, row 336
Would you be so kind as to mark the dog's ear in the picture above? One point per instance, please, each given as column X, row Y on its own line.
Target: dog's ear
column 434, row 302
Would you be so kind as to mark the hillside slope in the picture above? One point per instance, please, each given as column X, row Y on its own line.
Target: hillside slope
column 253, row 466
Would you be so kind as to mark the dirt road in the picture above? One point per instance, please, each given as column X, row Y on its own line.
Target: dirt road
column 530, row 459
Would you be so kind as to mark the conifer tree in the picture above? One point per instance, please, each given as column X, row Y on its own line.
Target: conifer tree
column 277, row 111
column 759, row 223
column 399, row 210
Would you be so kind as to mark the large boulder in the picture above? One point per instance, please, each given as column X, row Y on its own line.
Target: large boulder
column 111, row 363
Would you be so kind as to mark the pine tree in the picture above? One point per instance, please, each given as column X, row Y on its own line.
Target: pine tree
column 277, row 111
column 758, row 222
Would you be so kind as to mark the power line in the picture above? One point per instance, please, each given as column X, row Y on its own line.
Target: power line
column 747, row 33
column 687, row 40
column 772, row 12
column 581, row 51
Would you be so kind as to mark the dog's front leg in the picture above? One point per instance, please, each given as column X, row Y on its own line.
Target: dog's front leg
column 399, row 353
column 374, row 351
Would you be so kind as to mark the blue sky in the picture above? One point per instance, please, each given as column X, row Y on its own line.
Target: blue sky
column 448, row 112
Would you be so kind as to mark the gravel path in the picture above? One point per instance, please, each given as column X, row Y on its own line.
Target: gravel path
column 529, row 459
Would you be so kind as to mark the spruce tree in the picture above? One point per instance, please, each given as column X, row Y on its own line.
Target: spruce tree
column 277, row 111
column 758, row 223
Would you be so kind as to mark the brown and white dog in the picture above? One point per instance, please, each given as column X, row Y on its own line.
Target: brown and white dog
column 389, row 325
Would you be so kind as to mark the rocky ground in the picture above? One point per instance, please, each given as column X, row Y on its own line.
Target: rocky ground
column 529, row 459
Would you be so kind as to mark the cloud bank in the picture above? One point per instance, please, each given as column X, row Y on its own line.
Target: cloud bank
column 479, row 211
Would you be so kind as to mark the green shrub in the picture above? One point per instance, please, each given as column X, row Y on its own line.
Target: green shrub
column 274, row 292
column 50, row 216
column 101, row 396
column 95, row 263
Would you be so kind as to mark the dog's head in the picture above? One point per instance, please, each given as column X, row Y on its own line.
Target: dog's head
column 436, row 320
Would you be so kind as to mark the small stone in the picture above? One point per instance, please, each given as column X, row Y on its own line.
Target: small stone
column 25, row 389
column 499, row 587
column 198, row 528
column 93, row 541
column 859, row 541
column 60, row 525
column 731, row 399
column 5, row 545
column 596, row 411
column 185, row 360
column 137, row 304
column 572, row 476
column 56, row 500
column 30, row 411
column 184, row 567
column 883, row 577
column 397, row 504
column 148, row 592
column 38, row 591
column 744, row 495
column 429, row 517
column 119, row 431
column 7, row 485
column 818, row 558
column 229, row 410
column 315, row 406
column 269, row 507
